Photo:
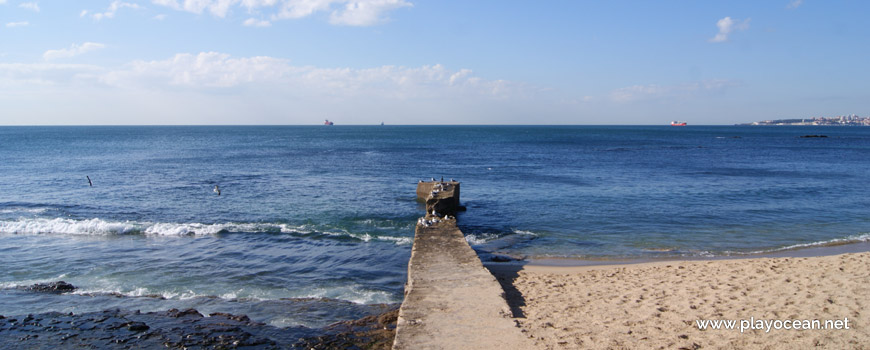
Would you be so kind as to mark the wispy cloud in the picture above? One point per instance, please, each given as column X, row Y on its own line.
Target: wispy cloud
column 74, row 50
column 208, row 70
column 112, row 10
column 342, row 12
column 224, row 87
column 727, row 26
column 794, row 4
column 653, row 91
column 17, row 24
column 30, row 6
column 42, row 74
column 365, row 13
column 217, row 8
column 253, row 22
column 160, row 17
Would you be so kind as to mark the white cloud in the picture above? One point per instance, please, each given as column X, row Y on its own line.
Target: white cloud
column 342, row 12
column 794, row 4
column 727, row 26
column 160, row 17
column 74, row 50
column 17, row 24
column 210, row 88
column 83, row 13
column 217, row 8
column 30, row 6
column 44, row 73
column 253, row 22
column 209, row 70
column 2, row 2
column 113, row 8
column 653, row 91
column 302, row 8
column 365, row 13
column 252, row 4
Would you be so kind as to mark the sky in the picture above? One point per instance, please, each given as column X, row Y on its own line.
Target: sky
column 298, row 62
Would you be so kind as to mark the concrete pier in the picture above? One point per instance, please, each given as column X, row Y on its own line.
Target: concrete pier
column 451, row 300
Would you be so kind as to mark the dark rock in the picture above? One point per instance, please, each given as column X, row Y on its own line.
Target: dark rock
column 137, row 326
column 372, row 332
column 240, row 318
column 500, row 258
column 53, row 287
column 189, row 312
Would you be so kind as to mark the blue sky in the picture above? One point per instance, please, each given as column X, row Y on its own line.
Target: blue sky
column 430, row 62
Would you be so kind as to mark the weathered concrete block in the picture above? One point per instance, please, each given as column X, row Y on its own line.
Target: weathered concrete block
column 451, row 300
column 443, row 197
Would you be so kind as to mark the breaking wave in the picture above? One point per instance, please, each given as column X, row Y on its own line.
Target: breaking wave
column 864, row 237
column 103, row 227
column 483, row 238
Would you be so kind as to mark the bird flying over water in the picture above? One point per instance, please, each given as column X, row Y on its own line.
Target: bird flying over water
column 89, row 181
column 217, row 190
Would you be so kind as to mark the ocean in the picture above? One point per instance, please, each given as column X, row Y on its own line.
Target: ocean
column 314, row 224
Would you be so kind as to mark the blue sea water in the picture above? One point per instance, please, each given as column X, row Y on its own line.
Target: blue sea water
column 314, row 224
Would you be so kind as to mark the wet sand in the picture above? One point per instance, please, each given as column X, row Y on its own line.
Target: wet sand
column 656, row 305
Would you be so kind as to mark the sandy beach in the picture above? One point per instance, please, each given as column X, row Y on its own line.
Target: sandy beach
column 658, row 305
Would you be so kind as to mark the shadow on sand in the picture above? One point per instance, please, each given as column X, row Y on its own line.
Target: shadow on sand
column 506, row 274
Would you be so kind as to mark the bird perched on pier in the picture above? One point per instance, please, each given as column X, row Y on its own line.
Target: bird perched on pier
column 433, row 179
column 217, row 190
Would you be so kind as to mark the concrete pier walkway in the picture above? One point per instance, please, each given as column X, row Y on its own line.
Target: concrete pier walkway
column 451, row 300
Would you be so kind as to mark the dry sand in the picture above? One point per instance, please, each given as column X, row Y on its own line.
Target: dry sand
column 656, row 305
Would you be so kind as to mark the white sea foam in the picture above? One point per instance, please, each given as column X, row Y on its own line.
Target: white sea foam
column 23, row 210
column 139, row 292
column 354, row 294
column 104, row 227
column 29, row 282
column 478, row 239
column 68, row 226
column 482, row 238
column 524, row 232
column 351, row 293
column 864, row 237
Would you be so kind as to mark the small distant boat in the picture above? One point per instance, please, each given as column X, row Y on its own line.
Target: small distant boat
column 677, row 123
column 327, row 122
column 382, row 123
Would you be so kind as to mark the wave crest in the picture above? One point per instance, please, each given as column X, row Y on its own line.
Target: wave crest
column 103, row 227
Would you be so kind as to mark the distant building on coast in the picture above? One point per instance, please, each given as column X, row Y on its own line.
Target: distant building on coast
column 843, row 120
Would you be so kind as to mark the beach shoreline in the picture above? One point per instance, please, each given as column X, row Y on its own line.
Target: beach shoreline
column 800, row 252
column 658, row 304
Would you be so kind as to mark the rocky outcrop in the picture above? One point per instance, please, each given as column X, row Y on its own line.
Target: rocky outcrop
column 51, row 287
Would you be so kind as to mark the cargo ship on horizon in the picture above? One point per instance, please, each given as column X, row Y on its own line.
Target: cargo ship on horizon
column 678, row 123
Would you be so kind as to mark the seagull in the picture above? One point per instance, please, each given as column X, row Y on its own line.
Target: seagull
column 433, row 179
column 217, row 190
column 89, row 181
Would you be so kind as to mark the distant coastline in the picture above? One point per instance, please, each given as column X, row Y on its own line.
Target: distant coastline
column 844, row 120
